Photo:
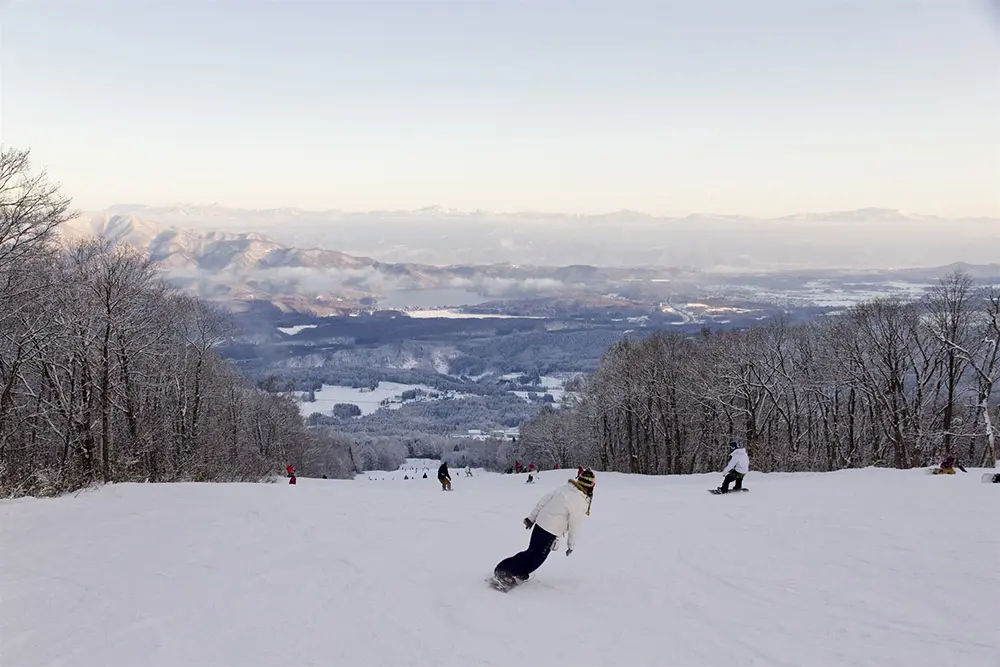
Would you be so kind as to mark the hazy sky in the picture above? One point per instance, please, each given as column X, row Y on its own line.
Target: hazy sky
column 760, row 107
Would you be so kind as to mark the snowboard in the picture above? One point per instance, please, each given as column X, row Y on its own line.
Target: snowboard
column 501, row 586
column 991, row 477
column 716, row 492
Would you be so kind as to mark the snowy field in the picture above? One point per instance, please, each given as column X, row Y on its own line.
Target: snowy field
column 368, row 401
column 548, row 384
column 291, row 331
column 868, row 567
column 452, row 314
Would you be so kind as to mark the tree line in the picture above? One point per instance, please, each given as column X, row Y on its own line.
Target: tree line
column 389, row 452
column 887, row 382
column 107, row 374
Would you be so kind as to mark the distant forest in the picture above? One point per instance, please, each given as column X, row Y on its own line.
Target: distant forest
column 885, row 383
column 361, row 361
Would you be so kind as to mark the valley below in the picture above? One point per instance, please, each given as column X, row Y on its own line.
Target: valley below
column 487, row 319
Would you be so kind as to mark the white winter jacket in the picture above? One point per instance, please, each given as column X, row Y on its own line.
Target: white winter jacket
column 739, row 461
column 561, row 512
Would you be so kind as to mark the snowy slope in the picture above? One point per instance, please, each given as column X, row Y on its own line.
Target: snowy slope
column 867, row 567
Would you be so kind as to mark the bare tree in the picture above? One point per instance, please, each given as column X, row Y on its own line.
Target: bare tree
column 31, row 208
column 977, row 344
column 885, row 383
column 107, row 374
column 949, row 315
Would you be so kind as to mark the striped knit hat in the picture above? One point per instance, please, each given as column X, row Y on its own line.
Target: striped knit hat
column 586, row 478
column 585, row 482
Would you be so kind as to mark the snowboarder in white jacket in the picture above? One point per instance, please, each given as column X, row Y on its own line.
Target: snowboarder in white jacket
column 736, row 470
column 557, row 513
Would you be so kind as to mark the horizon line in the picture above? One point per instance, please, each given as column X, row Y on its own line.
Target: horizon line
column 446, row 210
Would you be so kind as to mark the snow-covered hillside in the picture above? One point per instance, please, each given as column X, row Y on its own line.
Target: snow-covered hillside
column 868, row 567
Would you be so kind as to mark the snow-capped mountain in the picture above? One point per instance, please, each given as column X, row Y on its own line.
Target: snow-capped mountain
column 178, row 247
column 241, row 266
column 331, row 261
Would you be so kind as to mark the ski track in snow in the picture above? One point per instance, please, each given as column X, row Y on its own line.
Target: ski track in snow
column 855, row 568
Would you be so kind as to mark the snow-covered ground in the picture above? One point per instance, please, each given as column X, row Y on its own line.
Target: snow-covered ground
column 291, row 331
column 410, row 468
column 868, row 567
column 368, row 401
column 549, row 384
column 451, row 314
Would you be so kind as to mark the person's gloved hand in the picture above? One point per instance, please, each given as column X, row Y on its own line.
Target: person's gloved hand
column 569, row 551
column 528, row 523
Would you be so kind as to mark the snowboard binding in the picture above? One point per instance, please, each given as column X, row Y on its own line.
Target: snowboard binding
column 504, row 581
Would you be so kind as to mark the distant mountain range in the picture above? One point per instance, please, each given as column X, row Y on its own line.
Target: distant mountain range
column 864, row 238
column 179, row 247
column 229, row 215
column 236, row 267
column 335, row 261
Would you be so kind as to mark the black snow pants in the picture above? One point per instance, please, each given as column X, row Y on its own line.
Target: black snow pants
column 731, row 477
column 521, row 565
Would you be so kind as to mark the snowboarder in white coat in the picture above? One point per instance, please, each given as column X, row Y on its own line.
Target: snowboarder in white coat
column 557, row 513
column 736, row 470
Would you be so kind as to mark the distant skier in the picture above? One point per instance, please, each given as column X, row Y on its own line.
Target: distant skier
column 736, row 470
column 557, row 513
column 291, row 473
column 444, row 477
column 531, row 478
column 948, row 466
column 468, row 471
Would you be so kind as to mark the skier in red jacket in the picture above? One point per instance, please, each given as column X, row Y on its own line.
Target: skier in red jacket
column 291, row 474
